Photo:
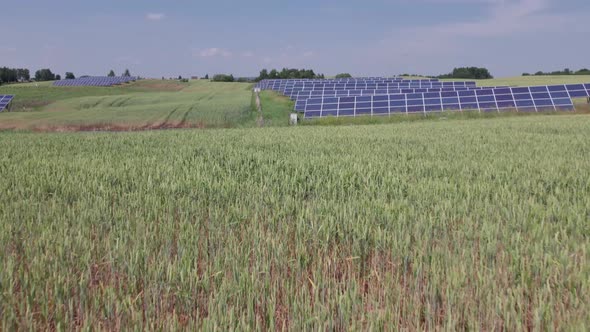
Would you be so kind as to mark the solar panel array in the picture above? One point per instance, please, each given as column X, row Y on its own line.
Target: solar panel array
column 300, row 90
column 277, row 84
column 96, row 81
column 522, row 99
column 291, row 91
column 301, row 97
column 387, row 96
column 5, row 101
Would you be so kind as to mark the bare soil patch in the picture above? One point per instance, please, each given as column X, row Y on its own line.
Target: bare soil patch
column 115, row 127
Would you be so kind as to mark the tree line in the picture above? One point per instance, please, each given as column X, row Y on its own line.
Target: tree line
column 288, row 73
column 15, row 75
column 567, row 71
column 11, row 75
column 472, row 73
column 230, row 78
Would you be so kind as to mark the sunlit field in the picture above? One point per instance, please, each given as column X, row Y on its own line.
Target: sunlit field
column 142, row 105
column 478, row 224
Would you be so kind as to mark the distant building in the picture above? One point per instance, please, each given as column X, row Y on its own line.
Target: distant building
column 195, row 78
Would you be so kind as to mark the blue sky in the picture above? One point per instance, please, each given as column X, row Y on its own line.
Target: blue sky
column 155, row 38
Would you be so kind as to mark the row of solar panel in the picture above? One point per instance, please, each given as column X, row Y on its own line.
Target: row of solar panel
column 266, row 85
column 383, row 84
column 95, row 81
column 5, row 101
column 548, row 91
column 397, row 79
column 294, row 94
column 326, row 84
column 376, row 86
column 373, row 107
column 482, row 100
column 301, row 97
column 533, row 106
column 348, row 78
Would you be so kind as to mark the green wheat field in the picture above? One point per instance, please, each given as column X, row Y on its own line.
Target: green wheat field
column 471, row 225
column 443, row 223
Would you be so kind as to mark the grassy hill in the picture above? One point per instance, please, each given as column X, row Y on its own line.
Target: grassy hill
column 140, row 105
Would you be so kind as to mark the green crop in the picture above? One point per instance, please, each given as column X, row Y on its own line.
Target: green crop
column 476, row 224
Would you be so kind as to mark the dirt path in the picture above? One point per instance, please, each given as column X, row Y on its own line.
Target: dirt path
column 260, row 119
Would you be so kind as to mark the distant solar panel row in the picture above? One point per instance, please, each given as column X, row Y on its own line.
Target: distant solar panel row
column 384, row 84
column 522, row 99
column 5, row 101
column 289, row 90
column 279, row 84
column 344, row 80
column 372, row 86
column 95, row 81
column 375, row 78
column 365, row 92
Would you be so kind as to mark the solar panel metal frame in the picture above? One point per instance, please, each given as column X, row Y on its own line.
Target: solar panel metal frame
column 5, row 102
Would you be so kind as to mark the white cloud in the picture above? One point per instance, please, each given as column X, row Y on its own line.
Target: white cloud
column 214, row 52
column 308, row 54
column 248, row 54
column 505, row 18
column 502, row 37
column 155, row 16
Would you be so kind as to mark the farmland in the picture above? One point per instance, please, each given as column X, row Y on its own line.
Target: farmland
column 156, row 104
column 148, row 104
column 475, row 224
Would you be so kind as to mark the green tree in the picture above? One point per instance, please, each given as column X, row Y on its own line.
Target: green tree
column 344, row 75
column 70, row 76
column 23, row 74
column 223, row 78
column 287, row 73
column 8, row 75
column 469, row 73
column 111, row 73
column 263, row 75
column 58, row 77
column 44, row 75
column 126, row 73
column 206, row 76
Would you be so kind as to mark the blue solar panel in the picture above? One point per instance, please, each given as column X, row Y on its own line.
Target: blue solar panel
column 363, row 83
column 424, row 95
column 5, row 101
column 532, row 99
column 98, row 81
